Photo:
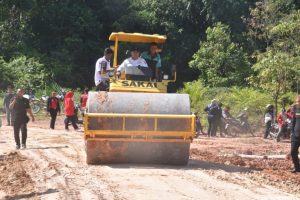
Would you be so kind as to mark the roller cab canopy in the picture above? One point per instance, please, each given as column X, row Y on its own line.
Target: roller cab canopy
column 137, row 37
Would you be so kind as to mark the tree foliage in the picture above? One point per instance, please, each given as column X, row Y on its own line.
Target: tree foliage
column 221, row 62
column 278, row 66
column 65, row 38
column 27, row 73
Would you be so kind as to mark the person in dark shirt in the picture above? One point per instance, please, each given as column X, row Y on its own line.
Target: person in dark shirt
column 20, row 107
column 7, row 98
column 219, row 120
column 295, row 137
column 212, row 110
column 53, row 108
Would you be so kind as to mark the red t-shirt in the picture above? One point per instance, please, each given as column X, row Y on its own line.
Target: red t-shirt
column 53, row 104
column 83, row 101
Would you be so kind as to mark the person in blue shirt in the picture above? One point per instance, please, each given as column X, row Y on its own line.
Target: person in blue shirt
column 153, row 60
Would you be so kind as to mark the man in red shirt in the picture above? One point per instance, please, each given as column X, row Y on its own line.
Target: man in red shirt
column 69, row 111
column 53, row 108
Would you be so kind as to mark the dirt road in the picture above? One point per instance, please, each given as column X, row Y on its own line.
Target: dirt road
column 53, row 167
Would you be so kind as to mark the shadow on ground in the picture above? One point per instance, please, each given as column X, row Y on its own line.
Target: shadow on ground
column 192, row 165
column 30, row 195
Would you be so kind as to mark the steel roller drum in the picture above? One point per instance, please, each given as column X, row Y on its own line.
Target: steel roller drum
column 138, row 103
column 109, row 151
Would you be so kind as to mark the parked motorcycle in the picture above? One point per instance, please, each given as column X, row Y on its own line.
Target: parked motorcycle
column 277, row 132
column 234, row 127
column 38, row 104
column 34, row 103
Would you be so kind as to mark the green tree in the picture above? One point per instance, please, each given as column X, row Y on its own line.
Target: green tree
column 274, row 30
column 263, row 17
column 229, row 12
column 222, row 63
column 278, row 69
column 5, row 74
column 27, row 73
column 14, row 17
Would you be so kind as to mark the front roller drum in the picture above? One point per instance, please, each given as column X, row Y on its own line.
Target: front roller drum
column 116, row 152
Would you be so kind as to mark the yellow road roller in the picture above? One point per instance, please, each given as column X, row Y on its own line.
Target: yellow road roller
column 137, row 121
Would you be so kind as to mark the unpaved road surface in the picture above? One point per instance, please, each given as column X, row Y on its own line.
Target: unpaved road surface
column 53, row 167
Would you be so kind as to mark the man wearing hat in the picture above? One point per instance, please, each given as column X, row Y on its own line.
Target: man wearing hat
column 102, row 70
column 134, row 61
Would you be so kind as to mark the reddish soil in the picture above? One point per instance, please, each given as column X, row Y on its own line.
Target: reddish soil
column 54, row 167
column 228, row 151
column 14, row 179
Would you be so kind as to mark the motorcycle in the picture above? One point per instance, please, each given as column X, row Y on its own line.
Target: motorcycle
column 234, row 127
column 277, row 132
column 34, row 103
column 37, row 104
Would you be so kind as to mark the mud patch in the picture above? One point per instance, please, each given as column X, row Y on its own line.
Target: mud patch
column 14, row 179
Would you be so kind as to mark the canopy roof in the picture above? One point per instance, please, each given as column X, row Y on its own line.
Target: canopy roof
column 137, row 37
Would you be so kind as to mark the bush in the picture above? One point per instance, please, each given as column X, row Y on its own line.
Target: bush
column 236, row 98
column 27, row 73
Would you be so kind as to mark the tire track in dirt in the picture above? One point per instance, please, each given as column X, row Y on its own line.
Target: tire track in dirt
column 60, row 172
column 69, row 173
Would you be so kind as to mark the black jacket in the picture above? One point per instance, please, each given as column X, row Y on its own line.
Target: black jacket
column 296, row 124
column 212, row 111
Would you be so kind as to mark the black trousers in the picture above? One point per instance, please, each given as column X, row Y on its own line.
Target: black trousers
column 53, row 114
column 103, row 86
column 212, row 127
column 294, row 153
column 221, row 126
column 268, row 129
column 209, row 127
column 17, row 127
column 72, row 120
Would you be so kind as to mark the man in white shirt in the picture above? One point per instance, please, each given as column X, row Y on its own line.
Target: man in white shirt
column 134, row 61
column 102, row 70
